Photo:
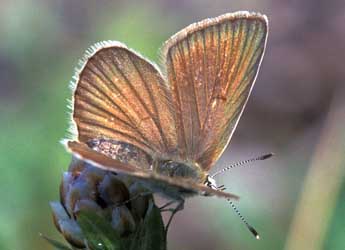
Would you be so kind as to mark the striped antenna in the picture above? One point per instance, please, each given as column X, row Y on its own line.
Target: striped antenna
column 241, row 163
column 251, row 229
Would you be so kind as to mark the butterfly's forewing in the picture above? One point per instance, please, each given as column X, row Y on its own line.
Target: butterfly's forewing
column 120, row 95
column 211, row 68
column 102, row 161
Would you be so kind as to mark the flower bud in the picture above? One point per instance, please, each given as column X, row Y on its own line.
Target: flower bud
column 84, row 188
column 123, row 221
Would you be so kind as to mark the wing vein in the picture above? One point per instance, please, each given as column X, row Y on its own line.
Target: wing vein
column 106, row 85
column 236, row 68
column 92, row 122
column 85, row 103
column 137, row 95
column 102, row 59
column 205, row 73
column 244, row 57
column 208, row 105
column 130, row 119
column 154, row 105
column 178, row 99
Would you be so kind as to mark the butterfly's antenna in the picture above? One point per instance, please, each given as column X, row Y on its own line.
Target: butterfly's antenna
column 240, row 163
column 251, row 229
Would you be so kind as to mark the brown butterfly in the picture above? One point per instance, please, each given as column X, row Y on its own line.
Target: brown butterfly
column 168, row 126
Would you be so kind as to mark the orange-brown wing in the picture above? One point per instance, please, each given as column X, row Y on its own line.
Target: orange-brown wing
column 211, row 68
column 119, row 95
column 100, row 160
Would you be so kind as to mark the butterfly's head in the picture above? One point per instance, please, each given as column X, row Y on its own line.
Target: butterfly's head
column 210, row 182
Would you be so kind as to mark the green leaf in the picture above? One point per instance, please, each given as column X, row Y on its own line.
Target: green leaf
column 151, row 233
column 58, row 245
column 98, row 232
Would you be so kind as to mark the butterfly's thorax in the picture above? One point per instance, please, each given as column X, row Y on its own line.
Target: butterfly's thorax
column 176, row 169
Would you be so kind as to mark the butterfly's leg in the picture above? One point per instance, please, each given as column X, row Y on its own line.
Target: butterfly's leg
column 134, row 197
column 178, row 207
column 162, row 208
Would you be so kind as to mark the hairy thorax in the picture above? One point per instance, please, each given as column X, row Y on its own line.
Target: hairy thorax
column 175, row 169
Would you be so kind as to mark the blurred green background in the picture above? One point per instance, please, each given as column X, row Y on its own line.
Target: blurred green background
column 303, row 69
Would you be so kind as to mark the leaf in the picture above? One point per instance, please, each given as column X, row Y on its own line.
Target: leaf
column 98, row 232
column 151, row 233
column 58, row 245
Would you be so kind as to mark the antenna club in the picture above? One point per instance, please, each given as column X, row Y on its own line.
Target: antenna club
column 264, row 157
column 254, row 232
column 241, row 163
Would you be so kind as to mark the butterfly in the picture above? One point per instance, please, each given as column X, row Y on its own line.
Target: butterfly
column 167, row 126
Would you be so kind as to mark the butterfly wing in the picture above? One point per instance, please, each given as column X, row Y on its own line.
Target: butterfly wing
column 120, row 95
column 100, row 160
column 211, row 68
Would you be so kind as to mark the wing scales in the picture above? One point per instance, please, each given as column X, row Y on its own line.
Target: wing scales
column 211, row 68
column 120, row 95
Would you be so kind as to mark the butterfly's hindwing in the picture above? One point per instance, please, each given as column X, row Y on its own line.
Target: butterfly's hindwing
column 122, row 151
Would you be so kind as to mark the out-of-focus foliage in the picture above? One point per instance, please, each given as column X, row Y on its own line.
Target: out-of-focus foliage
column 41, row 42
